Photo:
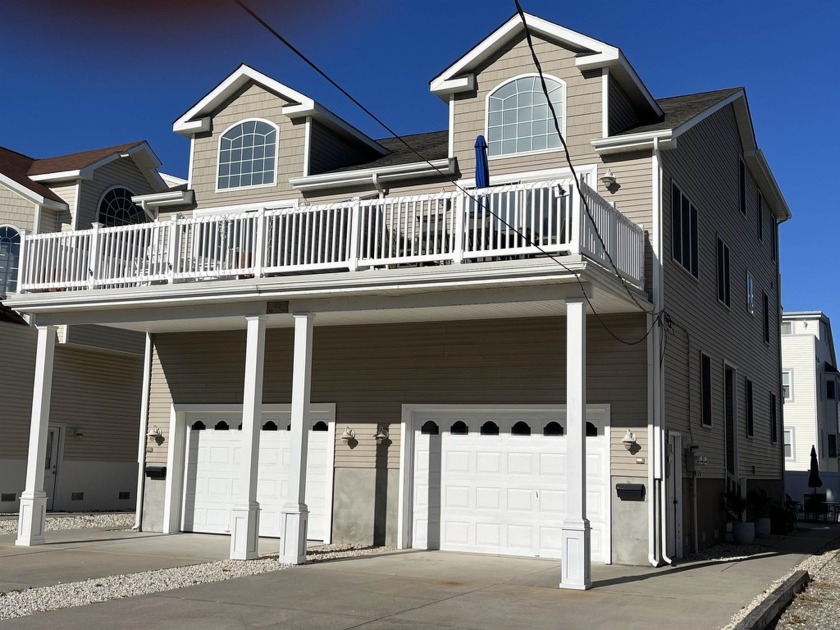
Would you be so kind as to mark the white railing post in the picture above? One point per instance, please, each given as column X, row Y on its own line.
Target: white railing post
column 460, row 228
column 173, row 254
column 576, row 220
column 259, row 244
column 22, row 264
column 93, row 257
column 355, row 230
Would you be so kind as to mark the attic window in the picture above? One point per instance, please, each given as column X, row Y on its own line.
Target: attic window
column 248, row 155
column 116, row 208
column 519, row 119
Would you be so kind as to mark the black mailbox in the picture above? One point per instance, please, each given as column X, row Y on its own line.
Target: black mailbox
column 630, row 491
column 156, row 472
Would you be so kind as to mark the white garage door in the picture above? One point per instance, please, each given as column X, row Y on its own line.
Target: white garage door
column 495, row 482
column 212, row 480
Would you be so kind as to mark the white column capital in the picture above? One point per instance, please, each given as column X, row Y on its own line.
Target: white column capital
column 259, row 318
column 309, row 316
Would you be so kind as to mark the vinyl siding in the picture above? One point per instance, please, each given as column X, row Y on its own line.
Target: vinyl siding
column 798, row 355
column 623, row 462
column 251, row 102
column 705, row 167
column 371, row 371
column 97, row 392
column 106, row 338
column 120, row 172
column 328, row 150
column 15, row 210
column 61, row 221
column 622, row 114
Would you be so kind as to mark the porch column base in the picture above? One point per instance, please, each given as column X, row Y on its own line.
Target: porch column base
column 575, row 539
column 244, row 531
column 293, row 531
column 33, row 514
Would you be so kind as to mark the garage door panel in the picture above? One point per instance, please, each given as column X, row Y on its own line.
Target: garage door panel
column 487, row 463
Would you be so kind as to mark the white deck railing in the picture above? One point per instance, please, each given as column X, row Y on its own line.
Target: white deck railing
column 450, row 227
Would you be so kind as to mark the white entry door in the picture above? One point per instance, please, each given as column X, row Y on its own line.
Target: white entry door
column 213, row 468
column 495, row 482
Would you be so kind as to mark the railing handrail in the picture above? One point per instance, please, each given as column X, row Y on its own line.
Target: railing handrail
column 449, row 226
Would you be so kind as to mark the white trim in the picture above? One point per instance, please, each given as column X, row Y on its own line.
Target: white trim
column 192, row 162
column 244, row 207
column 36, row 219
column 173, row 180
column 153, row 201
column 30, row 195
column 451, row 151
column 75, row 210
column 60, row 175
column 605, row 102
column 276, row 179
column 307, row 145
column 792, row 431
column 411, row 170
column 177, row 455
column 142, row 440
column 561, row 114
column 590, row 171
column 789, row 372
column 406, row 476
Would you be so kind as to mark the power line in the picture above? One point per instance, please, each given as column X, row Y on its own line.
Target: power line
column 479, row 201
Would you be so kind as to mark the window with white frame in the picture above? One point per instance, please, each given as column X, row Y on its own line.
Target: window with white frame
column 519, row 119
column 788, row 443
column 116, row 208
column 750, row 294
column 787, row 384
column 684, row 238
column 248, row 155
column 723, row 287
column 9, row 258
column 787, row 328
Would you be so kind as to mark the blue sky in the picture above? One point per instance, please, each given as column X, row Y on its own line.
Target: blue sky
column 81, row 74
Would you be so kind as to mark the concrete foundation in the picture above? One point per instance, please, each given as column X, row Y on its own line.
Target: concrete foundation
column 153, row 496
column 365, row 504
column 629, row 525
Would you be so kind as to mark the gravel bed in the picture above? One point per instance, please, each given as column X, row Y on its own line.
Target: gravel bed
column 819, row 605
column 37, row 600
column 57, row 522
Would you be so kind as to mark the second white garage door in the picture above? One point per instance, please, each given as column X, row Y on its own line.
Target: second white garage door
column 213, row 468
column 495, row 481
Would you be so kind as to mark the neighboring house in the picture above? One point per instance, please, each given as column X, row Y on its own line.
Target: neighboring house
column 91, row 445
column 810, row 384
column 459, row 388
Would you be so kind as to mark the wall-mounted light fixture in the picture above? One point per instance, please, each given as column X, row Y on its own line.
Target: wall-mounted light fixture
column 629, row 440
column 608, row 179
column 155, row 432
column 381, row 434
column 349, row 434
column 75, row 431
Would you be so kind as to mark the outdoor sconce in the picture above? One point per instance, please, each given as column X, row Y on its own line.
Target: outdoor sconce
column 629, row 440
column 559, row 191
column 381, row 434
column 608, row 179
column 76, row 431
column 348, row 435
column 155, row 432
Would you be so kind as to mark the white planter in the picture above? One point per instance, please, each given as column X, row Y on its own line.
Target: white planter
column 743, row 533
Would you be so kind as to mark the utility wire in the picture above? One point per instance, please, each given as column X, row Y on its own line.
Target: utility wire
column 479, row 201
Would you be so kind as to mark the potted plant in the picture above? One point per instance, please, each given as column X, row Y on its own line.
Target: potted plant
column 761, row 507
column 743, row 531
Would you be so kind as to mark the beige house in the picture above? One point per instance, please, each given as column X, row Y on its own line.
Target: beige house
column 91, row 445
column 347, row 341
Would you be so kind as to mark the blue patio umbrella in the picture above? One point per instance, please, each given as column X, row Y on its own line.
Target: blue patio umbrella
column 482, row 168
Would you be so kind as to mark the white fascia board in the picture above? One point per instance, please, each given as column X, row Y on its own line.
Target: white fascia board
column 192, row 127
column 443, row 84
column 445, row 166
column 172, row 180
column 28, row 194
column 58, row 176
column 185, row 125
column 168, row 198
column 465, row 83
column 634, row 142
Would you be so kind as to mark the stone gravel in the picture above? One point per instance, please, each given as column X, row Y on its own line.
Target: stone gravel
column 37, row 600
column 819, row 605
column 57, row 522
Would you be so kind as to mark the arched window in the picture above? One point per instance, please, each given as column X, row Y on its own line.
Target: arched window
column 198, row 425
column 320, row 426
column 518, row 117
column 221, row 425
column 248, row 155
column 269, row 426
column 429, row 428
column 117, row 208
column 9, row 255
column 553, row 429
column 521, row 428
column 591, row 430
column 459, row 428
column 489, row 428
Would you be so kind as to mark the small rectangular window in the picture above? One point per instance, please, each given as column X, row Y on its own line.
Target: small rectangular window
column 829, row 390
column 766, row 310
column 788, row 444
column 787, row 384
column 684, row 236
column 774, row 426
column 759, row 218
column 832, row 445
column 748, row 401
column 706, row 388
column 774, row 240
column 723, row 272
column 742, row 186
column 787, row 328
column 750, row 294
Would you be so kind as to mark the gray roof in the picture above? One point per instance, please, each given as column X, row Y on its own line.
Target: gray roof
column 680, row 109
column 432, row 146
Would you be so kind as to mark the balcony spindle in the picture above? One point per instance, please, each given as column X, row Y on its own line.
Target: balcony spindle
column 93, row 260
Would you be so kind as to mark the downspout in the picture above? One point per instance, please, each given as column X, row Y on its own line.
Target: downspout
column 378, row 185
column 141, row 442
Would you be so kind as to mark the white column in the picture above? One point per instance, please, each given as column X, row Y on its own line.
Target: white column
column 245, row 516
column 33, row 500
column 295, row 512
column 575, row 537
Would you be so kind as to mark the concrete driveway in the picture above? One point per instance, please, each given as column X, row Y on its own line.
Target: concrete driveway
column 442, row 590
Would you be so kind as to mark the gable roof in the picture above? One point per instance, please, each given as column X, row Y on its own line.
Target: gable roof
column 78, row 161
column 197, row 119
column 678, row 110
column 460, row 77
column 11, row 316
column 433, row 145
column 14, row 169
